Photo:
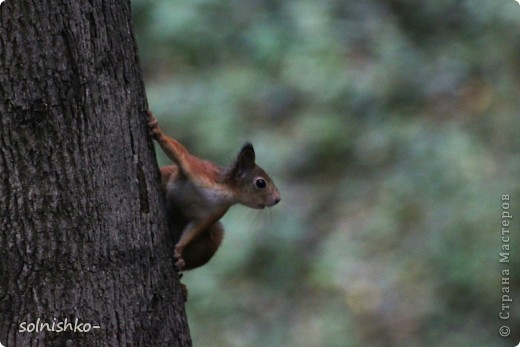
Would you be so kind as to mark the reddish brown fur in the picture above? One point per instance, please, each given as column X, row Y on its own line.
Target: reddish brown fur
column 200, row 193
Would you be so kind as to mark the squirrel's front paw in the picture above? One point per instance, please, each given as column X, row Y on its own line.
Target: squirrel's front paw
column 153, row 125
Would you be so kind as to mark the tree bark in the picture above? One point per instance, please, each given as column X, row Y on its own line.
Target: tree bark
column 83, row 236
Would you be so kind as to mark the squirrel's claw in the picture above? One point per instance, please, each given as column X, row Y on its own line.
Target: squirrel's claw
column 153, row 126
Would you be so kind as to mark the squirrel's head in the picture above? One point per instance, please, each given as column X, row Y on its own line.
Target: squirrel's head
column 252, row 186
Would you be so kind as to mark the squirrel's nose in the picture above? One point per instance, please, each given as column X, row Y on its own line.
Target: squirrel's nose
column 277, row 200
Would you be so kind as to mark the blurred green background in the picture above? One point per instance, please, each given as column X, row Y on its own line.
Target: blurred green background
column 392, row 130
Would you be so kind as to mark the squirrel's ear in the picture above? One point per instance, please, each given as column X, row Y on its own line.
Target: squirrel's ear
column 246, row 157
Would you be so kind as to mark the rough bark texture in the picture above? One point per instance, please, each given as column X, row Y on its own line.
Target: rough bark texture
column 82, row 235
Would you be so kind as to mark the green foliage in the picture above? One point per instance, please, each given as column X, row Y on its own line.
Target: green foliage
column 391, row 129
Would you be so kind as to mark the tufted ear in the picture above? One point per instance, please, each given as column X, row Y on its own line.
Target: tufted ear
column 246, row 158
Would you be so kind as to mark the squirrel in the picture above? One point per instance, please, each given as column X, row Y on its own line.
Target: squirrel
column 199, row 193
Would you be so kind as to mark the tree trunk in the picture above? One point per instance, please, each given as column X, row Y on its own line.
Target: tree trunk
column 83, row 236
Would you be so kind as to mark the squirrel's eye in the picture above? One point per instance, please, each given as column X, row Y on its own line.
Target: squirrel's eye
column 260, row 183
